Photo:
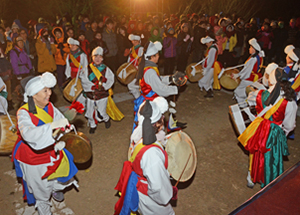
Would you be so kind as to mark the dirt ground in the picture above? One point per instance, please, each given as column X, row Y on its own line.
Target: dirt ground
column 219, row 183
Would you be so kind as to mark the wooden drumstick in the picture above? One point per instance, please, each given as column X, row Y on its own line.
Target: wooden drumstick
column 183, row 170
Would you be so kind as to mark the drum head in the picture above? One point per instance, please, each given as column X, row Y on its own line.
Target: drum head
column 227, row 82
column 67, row 90
column 131, row 72
column 179, row 147
column 198, row 73
column 79, row 146
column 8, row 138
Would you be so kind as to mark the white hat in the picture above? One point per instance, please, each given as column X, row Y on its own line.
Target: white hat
column 134, row 37
column 153, row 48
column 272, row 78
column 268, row 70
column 38, row 83
column 206, row 39
column 292, row 55
column 253, row 42
column 159, row 107
column 97, row 51
column 288, row 48
column 72, row 41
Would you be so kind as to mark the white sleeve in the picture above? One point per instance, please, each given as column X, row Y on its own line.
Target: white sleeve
column 109, row 75
column 157, row 85
column 246, row 71
column 38, row 137
column 2, row 84
column 289, row 121
column 140, row 52
column 68, row 68
column 210, row 58
column 159, row 186
column 134, row 89
column 84, row 63
column 252, row 98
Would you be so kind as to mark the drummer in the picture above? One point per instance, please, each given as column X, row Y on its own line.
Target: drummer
column 135, row 53
column 292, row 64
column 76, row 64
column 208, row 66
column 150, row 163
column 148, row 77
column 250, row 72
column 36, row 150
column 96, row 84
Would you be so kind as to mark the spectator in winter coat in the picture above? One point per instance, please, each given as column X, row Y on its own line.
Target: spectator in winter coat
column 62, row 51
column 124, row 46
column 89, row 34
column 264, row 38
column 110, row 38
column 97, row 41
column 238, row 49
column 155, row 35
column 84, row 44
column 45, row 50
column 169, row 46
column 29, row 48
column 20, row 62
column 198, row 47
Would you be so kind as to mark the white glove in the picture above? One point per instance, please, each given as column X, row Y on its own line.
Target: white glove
column 204, row 72
column 61, row 123
column 59, row 146
column 235, row 76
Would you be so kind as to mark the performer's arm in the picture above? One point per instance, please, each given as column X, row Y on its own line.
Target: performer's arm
column 159, row 185
column 252, row 98
column 289, row 122
column 141, row 50
column 246, row 71
column 109, row 75
column 68, row 68
column 157, row 85
column 210, row 58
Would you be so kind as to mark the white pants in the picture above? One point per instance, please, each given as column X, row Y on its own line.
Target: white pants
column 42, row 189
column 101, row 107
column 207, row 80
column 240, row 91
column 82, row 100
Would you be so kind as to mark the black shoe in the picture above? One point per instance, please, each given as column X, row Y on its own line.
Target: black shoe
column 107, row 124
column 58, row 196
column 92, row 130
column 209, row 94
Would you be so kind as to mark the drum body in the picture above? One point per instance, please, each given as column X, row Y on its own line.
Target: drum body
column 68, row 87
column 179, row 147
column 198, row 73
column 7, row 137
column 126, row 73
column 227, row 81
column 241, row 117
column 79, row 146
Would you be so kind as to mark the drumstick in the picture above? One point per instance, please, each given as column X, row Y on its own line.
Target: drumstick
column 183, row 170
column 12, row 127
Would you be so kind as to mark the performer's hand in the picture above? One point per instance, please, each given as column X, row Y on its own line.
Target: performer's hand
column 235, row 76
column 187, row 37
column 59, row 146
column 175, row 193
column 61, row 123
column 126, row 52
column 179, row 78
column 192, row 39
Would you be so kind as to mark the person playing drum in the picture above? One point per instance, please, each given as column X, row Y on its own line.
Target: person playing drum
column 135, row 53
column 149, row 162
column 292, row 64
column 96, row 84
column 36, row 152
column 148, row 78
column 250, row 72
column 268, row 143
column 76, row 64
column 208, row 66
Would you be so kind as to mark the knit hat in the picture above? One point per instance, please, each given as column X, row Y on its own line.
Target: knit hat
column 15, row 26
column 271, row 67
column 152, row 49
column 97, row 51
column 35, row 85
column 206, row 39
column 72, row 41
column 253, row 42
column 288, row 48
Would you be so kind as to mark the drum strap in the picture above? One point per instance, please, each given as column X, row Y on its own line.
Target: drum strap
column 76, row 63
column 133, row 52
column 45, row 115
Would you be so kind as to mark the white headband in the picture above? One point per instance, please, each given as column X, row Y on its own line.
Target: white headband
column 254, row 44
column 38, row 83
column 97, row 51
column 71, row 41
column 134, row 37
column 292, row 55
column 288, row 48
column 206, row 39
column 152, row 49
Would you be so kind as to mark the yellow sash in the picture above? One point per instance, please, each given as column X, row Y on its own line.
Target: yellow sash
column 111, row 108
column 296, row 84
column 137, row 150
column 41, row 114
column 251, row 129
column 217, row 70
column 133, row 53
column 63, row 168
column 155, row 68
column 76, row 63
